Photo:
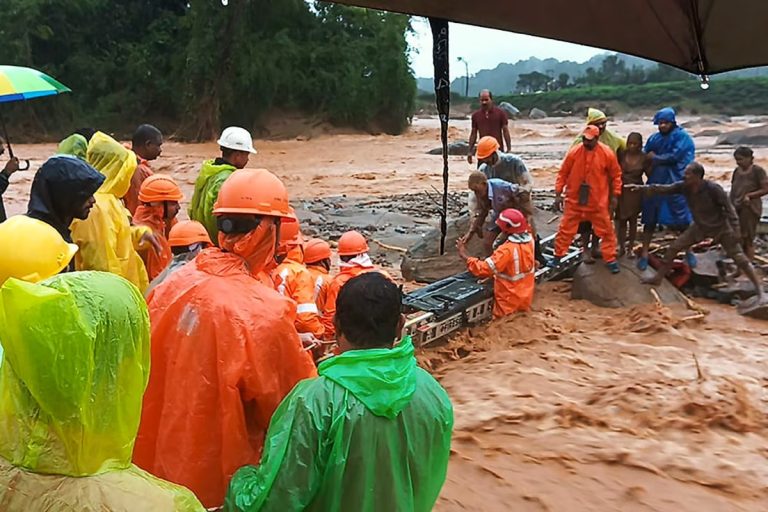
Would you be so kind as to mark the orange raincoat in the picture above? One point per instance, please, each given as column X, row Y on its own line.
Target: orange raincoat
column 322, row 281
column 513, row 268
column 224, row 354
column 348, row 271
column 293, row 280
column 153, row 218
column 131, row 198
column 599, row 169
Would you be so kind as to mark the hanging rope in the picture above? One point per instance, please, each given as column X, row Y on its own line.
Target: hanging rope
column 443, row 101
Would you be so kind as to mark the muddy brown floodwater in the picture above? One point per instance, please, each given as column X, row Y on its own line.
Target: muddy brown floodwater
column 571, row 407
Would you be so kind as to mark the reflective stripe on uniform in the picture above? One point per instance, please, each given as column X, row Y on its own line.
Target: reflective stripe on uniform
column 518, row 275
column 516, row 259
column 491, row 264
column 318, row 287
column 307, row 308
column 283, row 277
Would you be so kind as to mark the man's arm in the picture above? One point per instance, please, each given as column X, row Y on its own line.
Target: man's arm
column 614, row 174
column 653, row 190
column 721, row 200
column 565, row 171
column 762, row 178
column 505, row 133
column 681, row 146
column 472, row 141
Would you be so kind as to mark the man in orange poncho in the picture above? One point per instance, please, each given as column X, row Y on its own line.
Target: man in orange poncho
column 159, row 196
column 512, row 265
column 224, row 347
column 293, row 280
column 353, row 253
column 317, row 258
column 147, row 143
column 591, row 179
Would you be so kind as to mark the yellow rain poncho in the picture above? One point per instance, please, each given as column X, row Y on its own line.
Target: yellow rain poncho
column 106, row 238
column 75, row 367
column 608, row 138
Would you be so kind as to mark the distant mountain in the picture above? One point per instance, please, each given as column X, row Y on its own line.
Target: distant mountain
column 503, row 78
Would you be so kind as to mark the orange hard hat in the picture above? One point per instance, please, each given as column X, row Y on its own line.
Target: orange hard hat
column 512, row 221
column 188, row 232
column 316, row 250
column 159, row 188
column 254, row 192
column 486, row 147
column 352, row 243
column 591, row 132
column 290, row 230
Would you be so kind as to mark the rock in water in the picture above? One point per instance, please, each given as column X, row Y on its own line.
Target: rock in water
column 537, row 113
column 509, row 108
column 596, row 284
column 755, row 136
column 454, row 148
column 753, row 309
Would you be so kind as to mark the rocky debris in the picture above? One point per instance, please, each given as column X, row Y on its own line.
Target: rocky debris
column 596, row 284
column 709, row 133
column 454, row 148
column 753, row 309
column 537, row 113
column 511, row 110
column 755, row 136
column 631, row 117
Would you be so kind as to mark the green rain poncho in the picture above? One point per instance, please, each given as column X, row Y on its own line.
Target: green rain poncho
column 608, row 138
column 75, row 366
column 372, row 433
column 75, row 145
column 212, row 176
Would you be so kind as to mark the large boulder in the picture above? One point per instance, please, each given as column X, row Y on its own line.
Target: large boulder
column 755, row 136
column 596, row 284
column 510, row 109
column 454, row 148
column 537, row 113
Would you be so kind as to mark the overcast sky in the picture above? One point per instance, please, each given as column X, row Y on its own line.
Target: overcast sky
column 484, row 48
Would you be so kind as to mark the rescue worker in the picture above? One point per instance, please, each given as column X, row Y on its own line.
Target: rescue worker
column 317, row 258
column 713, row 217
column 75, row 145
column 106, row 238
column 512, row 265
column 671, row 149
column 159, row 196
column 39, row 251
column 590, row 176
column 147, row 143
column 74, row 370
column 186, row 239
column 293, row 280
column 354, row 260
column 10, row 167
column 225, row 351
column 236, row 146
column 372, row 432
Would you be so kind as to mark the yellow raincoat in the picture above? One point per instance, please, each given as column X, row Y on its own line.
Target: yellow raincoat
column 75, row 367
column 106, row 238
column 608, row 138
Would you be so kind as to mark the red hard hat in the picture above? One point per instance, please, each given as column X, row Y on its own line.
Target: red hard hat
column 352, row 243
column 188, row 232
column 316, row 250
column 512, row 221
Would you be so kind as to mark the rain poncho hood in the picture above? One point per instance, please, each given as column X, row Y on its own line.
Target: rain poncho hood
column 595, row 116
column 106, row 238
column 373, row 432
column 75, row 367
column 610, row 139
column 75, row 145
column 212, row 176
column 61, row 186
column 665, row 114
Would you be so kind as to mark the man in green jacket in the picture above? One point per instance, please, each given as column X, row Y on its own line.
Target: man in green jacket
column 236, row 147
column 371, row 433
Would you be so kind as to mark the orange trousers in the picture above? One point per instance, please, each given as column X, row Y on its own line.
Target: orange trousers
column 601, row 225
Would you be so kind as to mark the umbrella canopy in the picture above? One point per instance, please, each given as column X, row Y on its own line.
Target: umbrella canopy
column 19, row 83
column 700, row 36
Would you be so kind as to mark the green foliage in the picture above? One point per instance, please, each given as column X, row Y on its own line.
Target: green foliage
column 736, row 96
column 195, row 66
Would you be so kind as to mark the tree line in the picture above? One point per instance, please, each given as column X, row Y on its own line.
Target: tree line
column 193, row 66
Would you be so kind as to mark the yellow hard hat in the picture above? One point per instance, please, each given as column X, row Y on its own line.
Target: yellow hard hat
column 32, row 250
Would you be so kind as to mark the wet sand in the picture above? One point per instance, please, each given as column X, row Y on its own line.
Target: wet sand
column 571, row 407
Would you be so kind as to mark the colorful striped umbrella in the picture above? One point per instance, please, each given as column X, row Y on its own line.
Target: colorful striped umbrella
column 18, row 84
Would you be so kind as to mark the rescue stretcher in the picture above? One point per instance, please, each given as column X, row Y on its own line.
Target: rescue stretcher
column 443, row 307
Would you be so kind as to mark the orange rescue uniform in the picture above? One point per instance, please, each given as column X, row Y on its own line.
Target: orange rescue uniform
column 347, row 272
column 322, row 281
column 131, row 198
column 152, row 217
column 293, row 280
column 600, row 170
column 513, row 268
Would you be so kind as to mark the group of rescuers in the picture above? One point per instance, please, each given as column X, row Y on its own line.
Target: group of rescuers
column 600, row 192
column 232, row 311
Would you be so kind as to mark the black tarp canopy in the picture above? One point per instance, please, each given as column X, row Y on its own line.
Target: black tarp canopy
column 700, row 36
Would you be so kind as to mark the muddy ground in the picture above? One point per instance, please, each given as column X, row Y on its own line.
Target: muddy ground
column 571, row 407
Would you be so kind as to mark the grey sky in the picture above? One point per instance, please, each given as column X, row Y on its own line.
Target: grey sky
column 484, row 48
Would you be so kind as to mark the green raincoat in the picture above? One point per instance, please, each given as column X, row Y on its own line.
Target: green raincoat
column 75, row 366
column 212, row 176
column 608, row 138
column 75, row 145
column 372, row 433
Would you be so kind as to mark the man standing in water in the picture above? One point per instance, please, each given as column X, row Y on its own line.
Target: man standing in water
column 491, row 121
column 713, row 217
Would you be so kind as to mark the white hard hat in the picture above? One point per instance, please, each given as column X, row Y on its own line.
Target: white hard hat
column 236, row 138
